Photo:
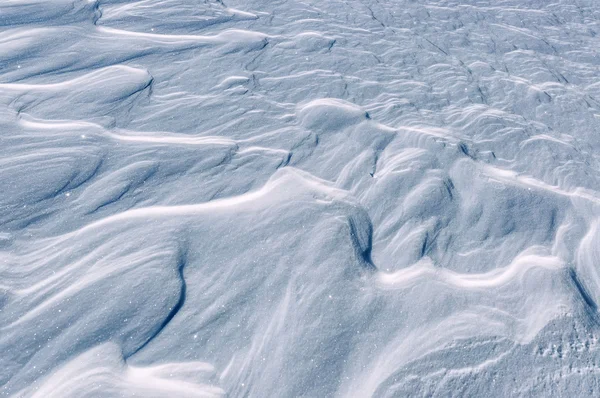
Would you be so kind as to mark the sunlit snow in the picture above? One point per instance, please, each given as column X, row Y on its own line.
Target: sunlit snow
column 341, row 198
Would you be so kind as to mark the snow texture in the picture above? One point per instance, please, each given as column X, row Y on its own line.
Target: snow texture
column 301, row 198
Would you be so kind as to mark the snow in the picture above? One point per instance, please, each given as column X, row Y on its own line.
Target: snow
column 299, row 198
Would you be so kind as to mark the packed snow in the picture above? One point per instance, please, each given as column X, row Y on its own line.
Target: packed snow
column 299, row 198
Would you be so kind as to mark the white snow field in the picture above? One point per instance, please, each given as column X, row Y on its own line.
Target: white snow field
column 302, row 198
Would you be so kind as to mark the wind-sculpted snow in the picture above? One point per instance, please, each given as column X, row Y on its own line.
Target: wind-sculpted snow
column 354, row 198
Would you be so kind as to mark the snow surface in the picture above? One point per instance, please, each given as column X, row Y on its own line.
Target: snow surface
column 342, row 198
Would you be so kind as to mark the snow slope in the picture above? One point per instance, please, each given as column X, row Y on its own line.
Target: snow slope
column 344, row 198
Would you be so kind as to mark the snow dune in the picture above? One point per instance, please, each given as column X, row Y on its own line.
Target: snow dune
column 300, row 198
